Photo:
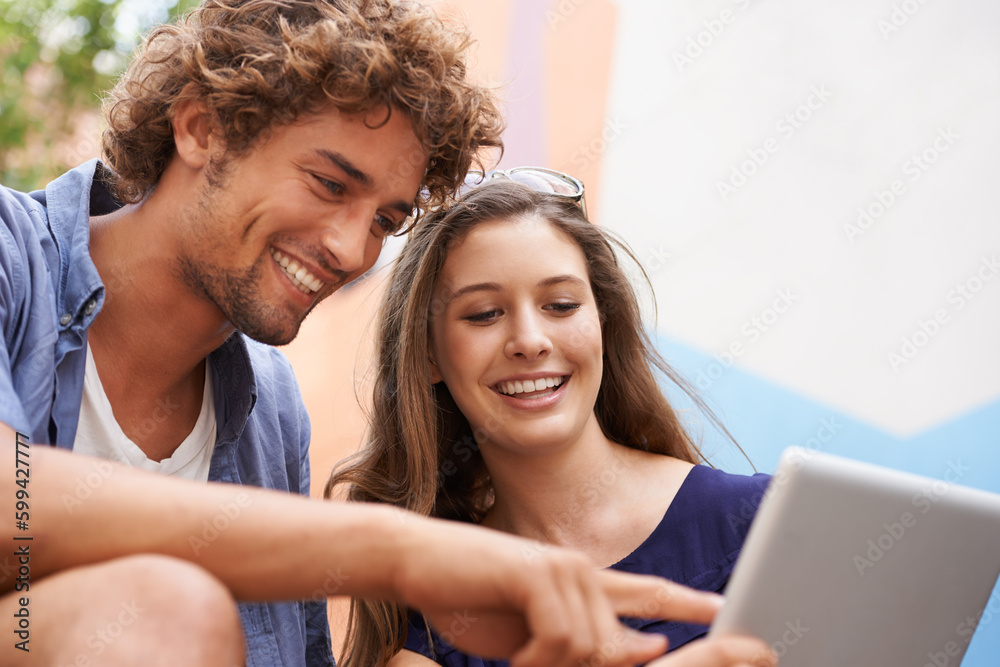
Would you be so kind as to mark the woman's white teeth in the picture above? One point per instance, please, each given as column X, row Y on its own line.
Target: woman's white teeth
column 528, row 386
column 300, row 277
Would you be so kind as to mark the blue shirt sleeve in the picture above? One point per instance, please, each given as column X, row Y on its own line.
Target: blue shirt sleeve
column 16, row 234
column 11, row 410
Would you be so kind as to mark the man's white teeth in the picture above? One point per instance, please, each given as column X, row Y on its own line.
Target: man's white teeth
column 305, row 281
column 528, row 386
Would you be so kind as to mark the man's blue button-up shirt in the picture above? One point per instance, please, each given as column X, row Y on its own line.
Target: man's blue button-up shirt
column 50, row 293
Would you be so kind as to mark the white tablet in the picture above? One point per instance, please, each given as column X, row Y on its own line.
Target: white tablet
column 848, row 564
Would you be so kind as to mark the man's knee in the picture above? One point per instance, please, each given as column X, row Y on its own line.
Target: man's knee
column 148, row 610
column 177, row 603
column 174, row 583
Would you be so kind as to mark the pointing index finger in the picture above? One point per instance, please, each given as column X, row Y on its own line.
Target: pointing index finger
column 646, row 596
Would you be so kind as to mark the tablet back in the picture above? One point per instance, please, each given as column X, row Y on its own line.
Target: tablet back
column 848, row 564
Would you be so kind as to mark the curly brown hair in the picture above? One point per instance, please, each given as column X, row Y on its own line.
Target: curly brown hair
column 257, row 64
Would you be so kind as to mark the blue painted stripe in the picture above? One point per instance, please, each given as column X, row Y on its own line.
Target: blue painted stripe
column 765, row 418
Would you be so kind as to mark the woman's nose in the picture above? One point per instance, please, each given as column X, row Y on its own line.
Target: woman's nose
column 528, row 337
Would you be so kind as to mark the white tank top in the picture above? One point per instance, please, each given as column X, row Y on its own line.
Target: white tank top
column 98, row 433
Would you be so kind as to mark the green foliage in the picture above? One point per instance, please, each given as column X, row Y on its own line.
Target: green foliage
column 57, row 57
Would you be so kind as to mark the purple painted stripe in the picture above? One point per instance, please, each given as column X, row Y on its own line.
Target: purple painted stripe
column 526, row 138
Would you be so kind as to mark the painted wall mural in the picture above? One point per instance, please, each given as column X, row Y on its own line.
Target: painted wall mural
column 811, row 189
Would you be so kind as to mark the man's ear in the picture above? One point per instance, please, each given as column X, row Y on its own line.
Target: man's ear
column 195, row 138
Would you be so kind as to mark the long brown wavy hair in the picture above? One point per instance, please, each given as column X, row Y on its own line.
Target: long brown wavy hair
column 257, row 64
column 421, row 453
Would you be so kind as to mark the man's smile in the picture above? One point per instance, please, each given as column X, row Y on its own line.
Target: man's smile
column 299, row 275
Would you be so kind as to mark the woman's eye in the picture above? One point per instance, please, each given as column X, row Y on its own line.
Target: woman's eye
column 484, row 316
column 563, row 308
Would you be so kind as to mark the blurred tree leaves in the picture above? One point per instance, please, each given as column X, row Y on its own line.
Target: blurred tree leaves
column 58, row 57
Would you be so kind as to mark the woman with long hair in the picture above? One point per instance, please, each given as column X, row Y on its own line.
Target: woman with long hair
column 516, row 388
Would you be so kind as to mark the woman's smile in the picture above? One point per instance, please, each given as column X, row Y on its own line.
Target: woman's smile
column 519, row 342
column 530, row 388
column 537, row 394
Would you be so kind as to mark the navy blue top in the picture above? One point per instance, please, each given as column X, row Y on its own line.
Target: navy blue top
column 50, row 293
column 695, row 544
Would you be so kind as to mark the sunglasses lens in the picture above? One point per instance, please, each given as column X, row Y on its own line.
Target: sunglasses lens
column 542, row 181
column 536, row 178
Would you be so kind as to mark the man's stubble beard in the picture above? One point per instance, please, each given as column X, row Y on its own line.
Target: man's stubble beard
column 236, row 295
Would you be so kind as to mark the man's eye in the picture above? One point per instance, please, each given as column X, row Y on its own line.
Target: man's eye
column 334, row 188
column 386, row 224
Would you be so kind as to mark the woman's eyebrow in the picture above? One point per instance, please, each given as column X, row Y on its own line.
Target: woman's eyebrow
column 567, row 278
column 478, row 287
column 496, row 287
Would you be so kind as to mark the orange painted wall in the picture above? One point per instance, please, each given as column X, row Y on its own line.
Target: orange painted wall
column 332, row 354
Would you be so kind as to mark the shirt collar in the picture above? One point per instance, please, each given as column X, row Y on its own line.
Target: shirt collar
column 71, row 200
column 235, row 388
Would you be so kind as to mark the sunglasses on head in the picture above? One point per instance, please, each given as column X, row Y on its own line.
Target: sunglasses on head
column 539, row 179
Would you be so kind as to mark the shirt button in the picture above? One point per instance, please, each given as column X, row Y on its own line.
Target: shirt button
column 65, row 319
column 89, row 308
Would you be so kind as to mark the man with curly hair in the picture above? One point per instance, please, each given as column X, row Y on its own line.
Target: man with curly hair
column 257, row 155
